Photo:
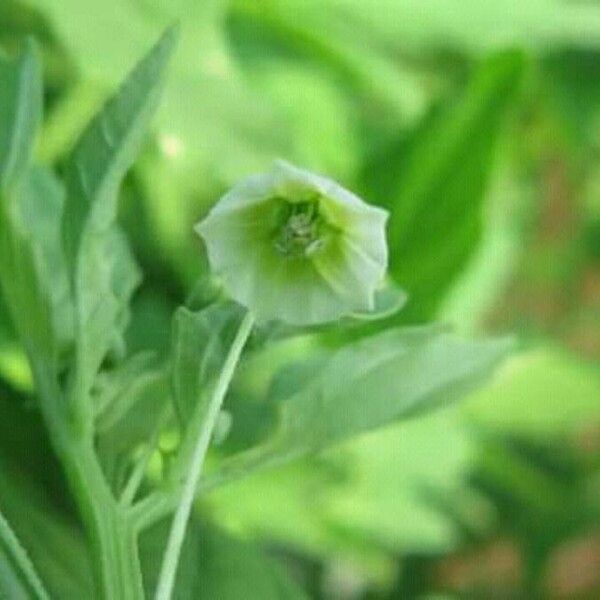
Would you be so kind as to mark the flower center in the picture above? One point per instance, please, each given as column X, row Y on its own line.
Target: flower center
column 299, row 235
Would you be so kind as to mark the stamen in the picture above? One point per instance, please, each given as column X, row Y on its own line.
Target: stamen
column 299, row 235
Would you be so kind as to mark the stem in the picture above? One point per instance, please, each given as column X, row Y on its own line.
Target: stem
column 161, row 502
column 112, row 535
column 110, row 530
column 168, row 571
column 137, row 475
column 20, row 560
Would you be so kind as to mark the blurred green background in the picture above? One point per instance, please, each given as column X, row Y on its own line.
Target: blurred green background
column 477, row 123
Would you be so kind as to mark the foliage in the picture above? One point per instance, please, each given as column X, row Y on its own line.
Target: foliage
column 330, row 470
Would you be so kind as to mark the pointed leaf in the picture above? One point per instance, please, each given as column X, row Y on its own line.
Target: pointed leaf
column 28, row 290
column 201, row 341
column 434, row 184
column 109, row 145
column 365, row 385
column 102, row 269
column 20, row 112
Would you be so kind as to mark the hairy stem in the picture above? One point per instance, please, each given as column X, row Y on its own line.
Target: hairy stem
column 168, row 571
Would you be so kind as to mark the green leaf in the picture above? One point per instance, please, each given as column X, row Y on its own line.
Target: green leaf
column 361, row 500
column 109, row 145
column 18, row 578
column 436, row 25
column 32, row 486
column 571, row 87
column 216, row 565
column 117, row 390
column 20, row 113
column 24, row 280
column 41, row 204
column 382, row 379
column 201, row 341
column 101, row 266
column 395, row 477
column 131, row 420
column 434, row 184
column 26, row 224
column 55, row 546
column 562, row 396
column 389, row 300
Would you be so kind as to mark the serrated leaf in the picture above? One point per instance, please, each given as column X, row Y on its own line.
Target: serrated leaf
column 435, row 181
column 215, row 565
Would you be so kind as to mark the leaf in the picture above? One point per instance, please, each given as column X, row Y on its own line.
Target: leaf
column 131, row 421
column 436, row 25
column 56, row 548
column 562, row 396
column 303, row 29
column 390, row 376
column 20, row 113
column 571, row 84
column 395, row 476
column 105, row 151
column 32, row 486
column 434, row 184
column 389, row 300
column 216, row 565
column 41, row 205
column 361, row 500
column 367, row 384
column 24, row 282
column 21, row 277
column 116, row 391
column 201, row 341
column 18, row 578
column 107, row 148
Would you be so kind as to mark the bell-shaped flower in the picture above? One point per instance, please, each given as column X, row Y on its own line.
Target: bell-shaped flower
column 297, row 247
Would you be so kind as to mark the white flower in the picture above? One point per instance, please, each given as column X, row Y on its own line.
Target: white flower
column 295, row 246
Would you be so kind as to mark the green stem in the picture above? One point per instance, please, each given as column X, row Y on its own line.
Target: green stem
column 112, row 536
column 162, row 502
column 168, row 571
column 110, row 530
column 139, row 470
column 18, row 556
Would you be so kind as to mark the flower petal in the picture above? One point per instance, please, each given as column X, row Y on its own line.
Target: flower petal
column 295, row 246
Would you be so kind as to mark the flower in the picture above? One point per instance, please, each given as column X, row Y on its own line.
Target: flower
column 297, row 247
